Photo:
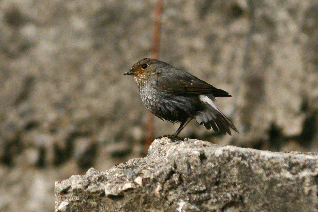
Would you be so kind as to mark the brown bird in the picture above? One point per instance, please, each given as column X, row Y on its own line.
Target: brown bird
column 177, row 96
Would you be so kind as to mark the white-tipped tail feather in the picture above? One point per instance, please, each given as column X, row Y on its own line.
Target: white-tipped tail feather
column 211, row 116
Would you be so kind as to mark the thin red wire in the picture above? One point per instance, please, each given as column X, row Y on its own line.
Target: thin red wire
column 154, row 54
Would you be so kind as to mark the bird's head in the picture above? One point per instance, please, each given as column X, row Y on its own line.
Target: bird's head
column 142, row 69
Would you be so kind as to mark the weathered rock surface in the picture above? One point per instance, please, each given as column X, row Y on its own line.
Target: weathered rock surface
column 194, row 175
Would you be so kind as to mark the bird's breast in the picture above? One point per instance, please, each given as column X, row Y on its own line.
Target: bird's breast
column 166, row 106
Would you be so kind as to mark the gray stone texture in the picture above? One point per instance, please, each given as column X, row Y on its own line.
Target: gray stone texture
column 65, row 105
column 194, row 175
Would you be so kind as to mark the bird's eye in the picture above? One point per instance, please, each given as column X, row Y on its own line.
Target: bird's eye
column 144, row 66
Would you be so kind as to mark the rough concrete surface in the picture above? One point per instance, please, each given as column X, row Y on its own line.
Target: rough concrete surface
column 65, row 105
column 194, row 175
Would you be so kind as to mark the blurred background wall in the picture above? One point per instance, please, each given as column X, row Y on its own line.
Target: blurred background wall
column 65, row 105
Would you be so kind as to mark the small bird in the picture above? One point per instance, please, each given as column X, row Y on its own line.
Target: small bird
column 177, row 96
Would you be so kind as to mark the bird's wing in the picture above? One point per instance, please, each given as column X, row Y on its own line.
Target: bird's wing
column 178, row 82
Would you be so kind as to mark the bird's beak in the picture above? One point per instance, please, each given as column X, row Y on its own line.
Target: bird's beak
column 129, row 72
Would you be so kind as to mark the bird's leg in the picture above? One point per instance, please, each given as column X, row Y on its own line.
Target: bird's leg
column 180, row 128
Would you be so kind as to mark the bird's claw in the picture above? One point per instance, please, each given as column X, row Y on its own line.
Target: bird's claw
column 173, row 137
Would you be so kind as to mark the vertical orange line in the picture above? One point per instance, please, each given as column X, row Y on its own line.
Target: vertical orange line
column 156, row 29
column 154, row 54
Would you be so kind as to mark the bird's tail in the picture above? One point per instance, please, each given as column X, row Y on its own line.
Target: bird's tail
column 211, row 116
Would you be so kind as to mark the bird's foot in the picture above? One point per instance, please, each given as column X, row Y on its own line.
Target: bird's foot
column 173, row 137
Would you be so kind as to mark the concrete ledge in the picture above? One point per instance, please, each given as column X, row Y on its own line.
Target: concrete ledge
column 194, row 175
